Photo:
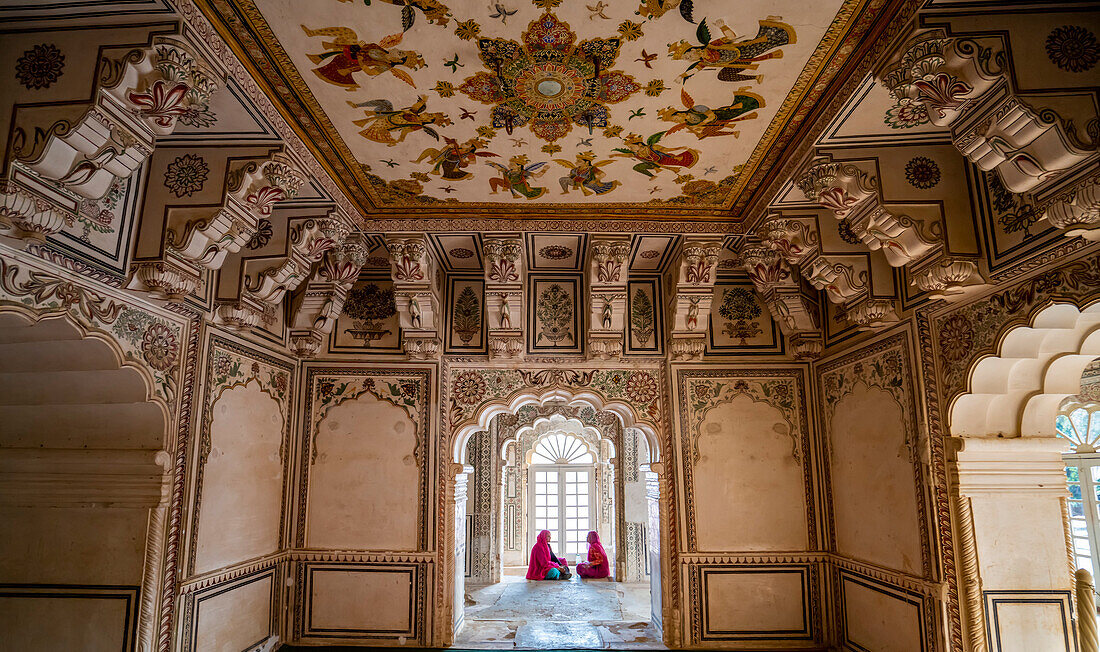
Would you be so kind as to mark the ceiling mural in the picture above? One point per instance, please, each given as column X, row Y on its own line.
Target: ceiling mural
column 569, row 106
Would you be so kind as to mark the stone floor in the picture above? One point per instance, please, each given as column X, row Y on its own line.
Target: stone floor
column 576, row 614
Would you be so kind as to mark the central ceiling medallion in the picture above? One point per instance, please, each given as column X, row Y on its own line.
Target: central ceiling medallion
column 547, row 82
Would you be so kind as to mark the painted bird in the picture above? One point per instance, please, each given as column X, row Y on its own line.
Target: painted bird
column 448, row 189
column 638, row 113
column 466, row 113
column 518, row 142
column 711, row 170
column 391, row 163
column 502, row 12
column 453, row 64
column 597, row 10
column 646, row 58
column 585, row 142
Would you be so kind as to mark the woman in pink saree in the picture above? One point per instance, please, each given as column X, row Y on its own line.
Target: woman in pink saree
column 597, row 565
column 544, row 565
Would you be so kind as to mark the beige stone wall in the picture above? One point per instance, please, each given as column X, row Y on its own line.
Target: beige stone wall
column 241, row 498
column 364, row 474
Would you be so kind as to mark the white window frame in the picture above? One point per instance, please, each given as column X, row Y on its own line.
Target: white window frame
column 561, row 530
column 1084, row 463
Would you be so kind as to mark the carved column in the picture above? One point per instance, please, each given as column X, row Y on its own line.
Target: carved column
column 416, row 294
column 798, row 316
column 607, row 276
column 504, row 297
column 322, row 301
column 692, row 296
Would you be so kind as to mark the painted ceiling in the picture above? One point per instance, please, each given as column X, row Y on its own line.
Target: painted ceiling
column 581, row 106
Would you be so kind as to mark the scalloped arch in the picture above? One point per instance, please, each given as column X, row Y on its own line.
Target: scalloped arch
column 533, row 396
column 1019, row 391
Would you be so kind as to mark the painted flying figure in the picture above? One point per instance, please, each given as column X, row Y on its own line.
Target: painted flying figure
column 451, row 160
column 585, row 174
column 346, row 55
column 705, row 122
column 730, row 56
column 516, row 178
column 652, row 156
column 383, row 121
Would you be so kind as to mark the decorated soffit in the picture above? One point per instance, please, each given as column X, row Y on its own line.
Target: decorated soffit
column 674, row 109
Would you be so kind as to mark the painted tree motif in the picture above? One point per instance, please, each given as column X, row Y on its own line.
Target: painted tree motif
column 467, row 315
column 641, row 317
column 739, row 309
column 555, row 315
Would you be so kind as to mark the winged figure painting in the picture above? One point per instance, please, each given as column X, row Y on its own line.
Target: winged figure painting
column 451, row 160
column 653, row 157
column 346, row 55
column 732, row 57
column 585, row 173
column 705, row 122
column 389, row 126
column 516, row 178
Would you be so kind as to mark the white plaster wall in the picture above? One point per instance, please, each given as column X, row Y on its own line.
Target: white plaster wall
column 746, row 470
column 873, row 486
column 242, row 482
column 53, row 545
column 1002, row 543
column 363, row 486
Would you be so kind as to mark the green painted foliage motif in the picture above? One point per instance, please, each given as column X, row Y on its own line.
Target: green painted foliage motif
column 467, row 315
column 555, row 315
column 641, row 317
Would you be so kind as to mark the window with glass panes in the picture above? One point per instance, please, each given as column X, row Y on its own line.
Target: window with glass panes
column 1082, row 427
column 562, row 478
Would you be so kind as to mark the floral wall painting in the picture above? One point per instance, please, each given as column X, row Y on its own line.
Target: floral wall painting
column 466, row 321
column 547, row 102
column 554, row 317
column 1012, row 230
column 740, row 323
column 368, row 321
column 100, row 234
column 644, row 327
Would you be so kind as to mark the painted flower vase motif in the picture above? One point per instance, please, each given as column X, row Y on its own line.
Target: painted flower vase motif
column 369, row 306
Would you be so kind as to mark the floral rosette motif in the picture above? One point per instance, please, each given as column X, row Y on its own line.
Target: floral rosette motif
column 641, row 388
column 547, row 82
column 469, row 388
column 159, row 347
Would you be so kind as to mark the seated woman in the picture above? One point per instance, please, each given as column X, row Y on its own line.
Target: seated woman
column 597, row 565
column 544, row 565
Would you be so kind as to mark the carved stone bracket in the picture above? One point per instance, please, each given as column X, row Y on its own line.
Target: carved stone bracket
column 852, row 194
column 138, row 98
column 506, row 345
column 692, row 297
column 779, row 287
column 503, row 260
column 320, row 304
column 686, row 347
column 1077, row 210
column 29, row 215
column 963, row 84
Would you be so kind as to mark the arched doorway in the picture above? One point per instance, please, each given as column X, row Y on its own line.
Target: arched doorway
column 556, row 455
column 1012, row 501
column 85, row 478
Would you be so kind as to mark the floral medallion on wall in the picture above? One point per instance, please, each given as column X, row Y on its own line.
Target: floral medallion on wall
column 1073, row 48
column 922, row 172
column 40, row 66
column 186, row 175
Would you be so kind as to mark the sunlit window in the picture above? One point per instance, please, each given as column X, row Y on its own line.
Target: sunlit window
column 1081, row 426
column 561, row 448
